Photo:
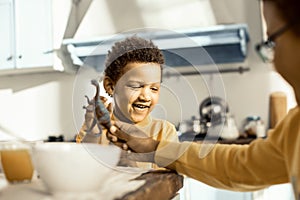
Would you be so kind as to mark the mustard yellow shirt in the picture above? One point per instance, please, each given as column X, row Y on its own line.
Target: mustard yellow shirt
column 158, row 129
column 262, row 163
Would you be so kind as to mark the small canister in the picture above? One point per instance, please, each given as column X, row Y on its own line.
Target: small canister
column 260, row 129
column 255, row 127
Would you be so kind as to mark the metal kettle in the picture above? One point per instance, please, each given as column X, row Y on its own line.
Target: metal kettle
column 212, row 112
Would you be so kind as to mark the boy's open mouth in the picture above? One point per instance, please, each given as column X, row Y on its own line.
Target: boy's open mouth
column 140, row 106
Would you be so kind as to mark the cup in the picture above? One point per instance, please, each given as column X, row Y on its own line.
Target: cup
column 16, row 162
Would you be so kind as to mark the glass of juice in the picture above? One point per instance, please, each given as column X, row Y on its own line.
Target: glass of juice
column 16, row 161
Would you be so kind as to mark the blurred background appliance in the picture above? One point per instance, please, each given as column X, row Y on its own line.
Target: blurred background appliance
column 213, row 111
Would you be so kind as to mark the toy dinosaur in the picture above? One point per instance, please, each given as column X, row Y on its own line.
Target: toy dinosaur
column 96, row 113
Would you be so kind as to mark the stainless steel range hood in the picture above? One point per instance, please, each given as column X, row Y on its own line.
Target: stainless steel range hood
column 184, row 47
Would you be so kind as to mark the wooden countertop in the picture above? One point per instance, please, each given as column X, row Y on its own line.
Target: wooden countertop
column 160, row 184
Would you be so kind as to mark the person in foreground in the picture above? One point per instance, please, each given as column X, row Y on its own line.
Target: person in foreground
column 132, row 77
column 262, row 163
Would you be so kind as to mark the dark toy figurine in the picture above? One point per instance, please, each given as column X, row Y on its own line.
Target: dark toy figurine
column 96, row 113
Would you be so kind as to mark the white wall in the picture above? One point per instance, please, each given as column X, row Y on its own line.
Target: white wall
column 114, row 16
column 248, row 94
column 37, row 105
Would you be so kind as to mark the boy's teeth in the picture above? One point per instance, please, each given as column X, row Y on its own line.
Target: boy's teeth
column 140, row 106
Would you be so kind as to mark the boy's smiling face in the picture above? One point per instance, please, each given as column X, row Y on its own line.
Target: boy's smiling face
column 137, row 91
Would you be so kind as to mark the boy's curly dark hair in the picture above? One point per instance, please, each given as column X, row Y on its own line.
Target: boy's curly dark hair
column 132, row 49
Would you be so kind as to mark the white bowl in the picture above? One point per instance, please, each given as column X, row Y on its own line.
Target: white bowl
column 74, row 168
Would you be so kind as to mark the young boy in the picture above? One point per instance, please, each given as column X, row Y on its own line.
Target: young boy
column 132, row 77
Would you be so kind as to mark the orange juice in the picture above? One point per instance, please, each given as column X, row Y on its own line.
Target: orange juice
column 17, row 165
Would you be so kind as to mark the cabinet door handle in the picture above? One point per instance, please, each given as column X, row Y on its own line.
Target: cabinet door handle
column 49, row 51
column 9, row 58
column 19, row 56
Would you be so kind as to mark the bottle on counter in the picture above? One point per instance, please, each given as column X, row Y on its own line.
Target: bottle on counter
column 196, row 126
column 260, row 129
column 255, row 127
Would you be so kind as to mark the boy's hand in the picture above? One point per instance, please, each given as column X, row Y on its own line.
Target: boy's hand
column 129, row 137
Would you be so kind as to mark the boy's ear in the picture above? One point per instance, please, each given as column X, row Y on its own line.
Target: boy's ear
column 108, row 85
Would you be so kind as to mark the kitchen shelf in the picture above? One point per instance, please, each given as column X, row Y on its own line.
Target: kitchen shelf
column 192, row 137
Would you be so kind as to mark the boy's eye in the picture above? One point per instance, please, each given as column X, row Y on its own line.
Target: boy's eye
column 155, row 88
column 135, row 86
column 139, row 86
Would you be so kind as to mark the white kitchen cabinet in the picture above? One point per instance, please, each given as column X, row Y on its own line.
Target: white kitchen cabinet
column 33, row 33
column 280, row 191
column 6, row 35
column 26, row 33
column 194, row 190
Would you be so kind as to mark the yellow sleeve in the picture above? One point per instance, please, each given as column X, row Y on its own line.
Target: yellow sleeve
column 236, row 167
column 165, row 131
column 170, row 133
